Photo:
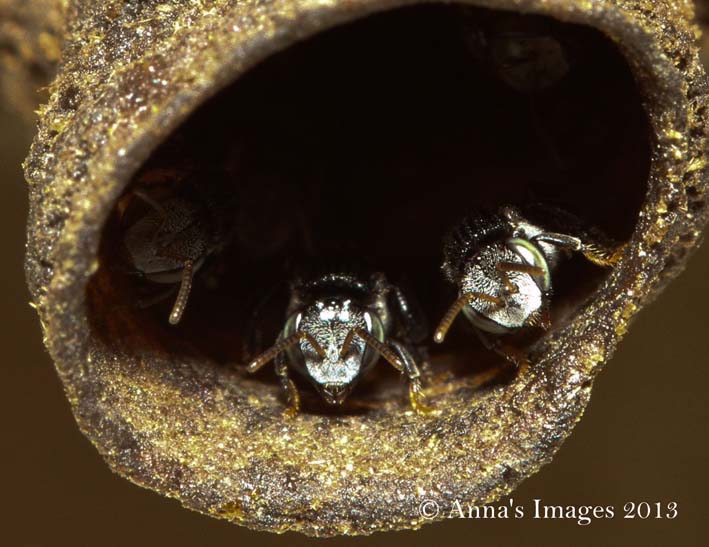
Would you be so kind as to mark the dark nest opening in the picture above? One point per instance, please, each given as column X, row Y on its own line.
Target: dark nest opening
column 368, row 142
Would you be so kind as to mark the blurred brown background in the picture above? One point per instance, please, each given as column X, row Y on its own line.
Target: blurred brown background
column 643, row 438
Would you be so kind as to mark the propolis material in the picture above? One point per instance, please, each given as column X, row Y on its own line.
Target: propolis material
column 217, row 441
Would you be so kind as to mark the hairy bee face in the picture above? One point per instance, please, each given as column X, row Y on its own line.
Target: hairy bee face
column 338, row 326
column 335, row 367
column 521, row 295
column 167, row 239
column 161, row 240
column 502, row 264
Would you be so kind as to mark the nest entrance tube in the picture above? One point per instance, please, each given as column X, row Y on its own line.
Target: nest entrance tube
column 355, row 145
column 349, row 128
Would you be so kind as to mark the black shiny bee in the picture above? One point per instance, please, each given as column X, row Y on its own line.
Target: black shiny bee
column 168, row 233
column 337, row 326
column 502, row 265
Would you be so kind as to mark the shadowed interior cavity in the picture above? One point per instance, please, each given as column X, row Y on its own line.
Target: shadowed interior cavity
column 367, row 142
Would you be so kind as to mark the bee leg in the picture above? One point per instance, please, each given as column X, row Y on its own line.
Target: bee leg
column 292, row 395
column 150, row 201
column 602, row 255
column 412, row 316
column 541, row 318
column 511, row 354
column 417, row 398
column 158, row 208
column 253, row 341
column 407, row 310
column 560, row 240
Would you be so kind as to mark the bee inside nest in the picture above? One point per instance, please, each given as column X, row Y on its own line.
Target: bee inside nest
column 365, row 145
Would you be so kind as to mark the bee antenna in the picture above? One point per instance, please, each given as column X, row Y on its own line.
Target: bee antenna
column 183, row 294
column 456, row 308
column 283, row 345
column 381, row 348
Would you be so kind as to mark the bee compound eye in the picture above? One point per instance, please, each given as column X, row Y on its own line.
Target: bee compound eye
column 344, row 170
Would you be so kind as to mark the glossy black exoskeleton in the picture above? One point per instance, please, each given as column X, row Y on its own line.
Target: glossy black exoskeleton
column 502, row 264
column 338, row 324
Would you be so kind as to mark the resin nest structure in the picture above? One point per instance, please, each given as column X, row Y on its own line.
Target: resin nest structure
column 366, row 128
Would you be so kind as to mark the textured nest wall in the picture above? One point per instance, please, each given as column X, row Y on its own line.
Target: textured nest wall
column 170, row 417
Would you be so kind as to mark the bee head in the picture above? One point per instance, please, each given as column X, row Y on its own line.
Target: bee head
column 503, row 287
column 332, row 355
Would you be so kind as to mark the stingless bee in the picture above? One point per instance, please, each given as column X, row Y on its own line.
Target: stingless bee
column 168, row 233
column 502, row 266
column 337, row 326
